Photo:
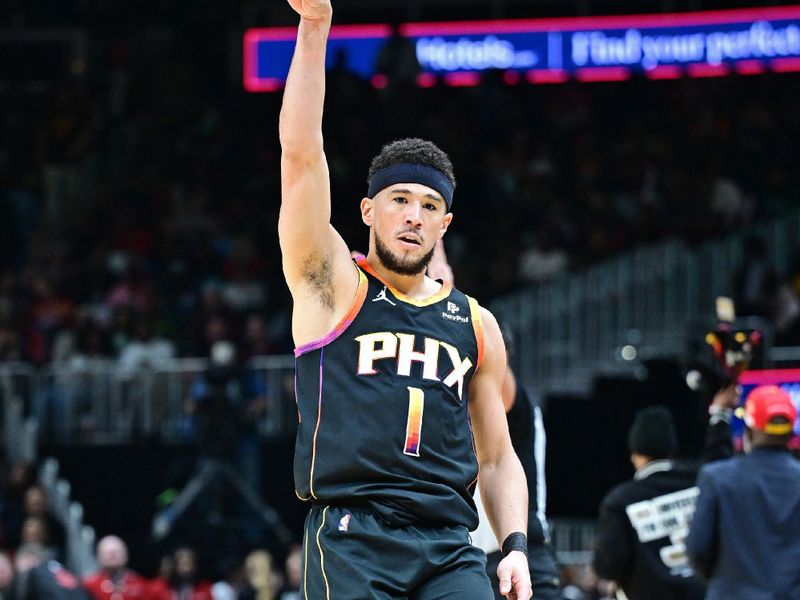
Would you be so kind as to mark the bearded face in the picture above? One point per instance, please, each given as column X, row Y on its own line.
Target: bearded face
column 401, row 265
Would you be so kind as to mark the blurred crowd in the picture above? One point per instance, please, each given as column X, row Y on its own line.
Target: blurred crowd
column 33, row 548
column 32, row 573
column 139, row 195
column 25, row 514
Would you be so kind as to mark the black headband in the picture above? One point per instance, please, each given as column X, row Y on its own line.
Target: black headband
column 412, row 173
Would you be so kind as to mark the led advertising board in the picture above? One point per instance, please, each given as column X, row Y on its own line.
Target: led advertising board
column 659, row 46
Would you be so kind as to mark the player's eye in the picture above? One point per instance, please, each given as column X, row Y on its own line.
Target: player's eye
column 399, row 199
column 430, row 206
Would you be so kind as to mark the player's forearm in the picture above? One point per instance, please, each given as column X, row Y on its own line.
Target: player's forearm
column 504, row 493
column 304, row 96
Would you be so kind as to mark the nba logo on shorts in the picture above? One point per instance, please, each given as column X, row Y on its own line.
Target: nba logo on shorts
column 344, row 522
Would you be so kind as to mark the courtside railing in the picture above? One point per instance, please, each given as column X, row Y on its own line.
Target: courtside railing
column 98, row 402
column 573, row 540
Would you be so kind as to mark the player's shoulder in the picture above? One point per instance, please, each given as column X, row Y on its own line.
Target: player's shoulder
column 479, row 312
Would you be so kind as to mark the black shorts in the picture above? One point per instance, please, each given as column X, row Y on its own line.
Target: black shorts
column 352, row 555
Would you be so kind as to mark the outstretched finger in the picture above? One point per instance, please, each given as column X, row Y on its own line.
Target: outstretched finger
column 522, row 591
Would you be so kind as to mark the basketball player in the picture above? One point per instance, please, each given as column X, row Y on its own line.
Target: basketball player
column 398, row 376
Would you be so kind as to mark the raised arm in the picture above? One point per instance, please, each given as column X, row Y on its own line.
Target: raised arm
column 316, row 262
column 502, row 481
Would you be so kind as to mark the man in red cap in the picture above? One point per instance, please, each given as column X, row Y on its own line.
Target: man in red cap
column 745, row 536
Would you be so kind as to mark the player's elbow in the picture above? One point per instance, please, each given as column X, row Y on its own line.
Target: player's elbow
column 299, row 144
column 499, row 457
column 298, row 164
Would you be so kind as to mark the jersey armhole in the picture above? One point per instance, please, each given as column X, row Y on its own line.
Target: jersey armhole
column 358, row 302
column 477, row 326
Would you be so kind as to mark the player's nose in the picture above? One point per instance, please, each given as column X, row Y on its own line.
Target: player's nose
column 414, row 213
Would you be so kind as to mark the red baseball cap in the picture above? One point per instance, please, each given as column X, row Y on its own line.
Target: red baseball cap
column 770, row 409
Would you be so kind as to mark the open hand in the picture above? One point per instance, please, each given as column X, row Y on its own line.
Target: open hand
column 313, row 10
column 515, row 577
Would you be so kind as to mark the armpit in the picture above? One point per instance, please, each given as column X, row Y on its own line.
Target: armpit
column 318, row 272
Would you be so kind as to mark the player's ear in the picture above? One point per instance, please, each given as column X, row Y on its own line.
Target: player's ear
column 448, row 218
column 367, row 211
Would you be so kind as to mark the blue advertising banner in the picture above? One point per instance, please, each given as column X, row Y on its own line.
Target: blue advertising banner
column 663, row 46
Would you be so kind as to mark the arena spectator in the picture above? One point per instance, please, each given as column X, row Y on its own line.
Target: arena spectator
column 783, row 309
column 145, row 351
column 643, row 522
column 20, row 478
column 750, row 282
column 257, row 340
column 166, row 569
column 184, row 580
column 293, row 574
column 50, row 311
column 745, row 535
column 232, row 582
column 37, row 505
column 223, row 415
column 6, row 577
column 542, row 259
column 114, row 580
column 35, row 531
column 262, row 581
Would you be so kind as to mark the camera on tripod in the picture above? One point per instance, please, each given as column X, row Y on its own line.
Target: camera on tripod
column 730, row 349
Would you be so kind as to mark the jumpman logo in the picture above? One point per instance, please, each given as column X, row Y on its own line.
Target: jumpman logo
column 382, row 296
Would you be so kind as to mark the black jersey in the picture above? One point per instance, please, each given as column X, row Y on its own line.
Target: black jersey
column 383, row 407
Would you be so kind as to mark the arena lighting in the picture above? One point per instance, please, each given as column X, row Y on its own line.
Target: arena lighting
column 746, row 41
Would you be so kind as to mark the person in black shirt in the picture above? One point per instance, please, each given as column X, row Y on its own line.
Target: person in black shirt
column 643, row 522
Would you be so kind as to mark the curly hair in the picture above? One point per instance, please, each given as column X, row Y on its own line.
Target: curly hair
column 415, row 151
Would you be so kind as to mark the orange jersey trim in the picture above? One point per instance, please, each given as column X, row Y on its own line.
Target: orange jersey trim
column 477, row 325
column 442, row 293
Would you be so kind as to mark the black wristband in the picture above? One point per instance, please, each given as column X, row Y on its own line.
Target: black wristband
column 515, row 541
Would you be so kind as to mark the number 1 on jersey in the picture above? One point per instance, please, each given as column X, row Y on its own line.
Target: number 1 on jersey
column 416, row 403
